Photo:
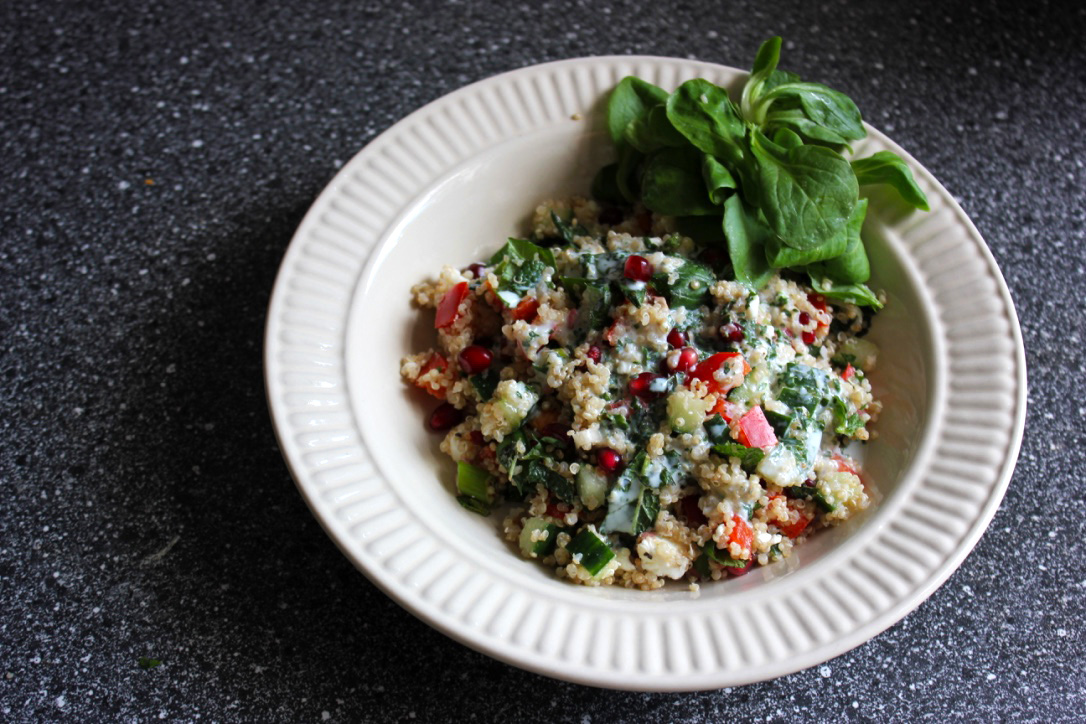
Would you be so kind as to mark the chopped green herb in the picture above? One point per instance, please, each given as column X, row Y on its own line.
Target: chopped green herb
column 722, row 557
column 648, row 506
column 567, row 231
column 519, row 266
column 748, row 457
column 485, row 383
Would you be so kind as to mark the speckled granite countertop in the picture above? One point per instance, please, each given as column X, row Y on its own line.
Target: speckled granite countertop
column 156, row 160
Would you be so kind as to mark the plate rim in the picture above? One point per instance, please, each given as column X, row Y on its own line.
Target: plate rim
column 609, row 677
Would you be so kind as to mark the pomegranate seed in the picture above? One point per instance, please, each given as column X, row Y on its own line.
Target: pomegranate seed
column 691, row 511
column 609, row 460
column 676, row 338
column 740, row 571
column 558, row 431
column 475, row 359
column 445, row 416
column 477, row 270
column 732, row 332
column 593, row 353
column 804, row 318
column 640, row 385
column 808, row 338
column 637, row 269
column 611, row 215
column 688, row 359
column 556, row 509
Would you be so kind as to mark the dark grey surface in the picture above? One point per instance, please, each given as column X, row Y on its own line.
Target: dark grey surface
column 156, row 158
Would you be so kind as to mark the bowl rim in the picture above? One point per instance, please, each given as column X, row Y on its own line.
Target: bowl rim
column 289, row 388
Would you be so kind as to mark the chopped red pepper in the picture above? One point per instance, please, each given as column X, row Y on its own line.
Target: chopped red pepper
column 609, row 334
column 527, row 309
column 448, row 309
column 727, row 410
column 844, row 465
column 707, row 368
column 436, row 362
column 849, row 371
column 755, row 430
column 742, row 534
column 792, row 530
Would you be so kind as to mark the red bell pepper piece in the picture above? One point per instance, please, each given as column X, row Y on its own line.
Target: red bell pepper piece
column 448, row 309
column 792, row 530
column 727, row 410
column 609, row 334
column 437, row 362
column 844, row 465
column 755, row 430
column 741, row 534
column 706, row 371
column 527, row 309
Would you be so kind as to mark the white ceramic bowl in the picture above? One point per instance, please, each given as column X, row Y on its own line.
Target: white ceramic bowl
column 448, row 184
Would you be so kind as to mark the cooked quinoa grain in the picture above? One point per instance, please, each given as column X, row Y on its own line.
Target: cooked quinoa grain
column 644, row 417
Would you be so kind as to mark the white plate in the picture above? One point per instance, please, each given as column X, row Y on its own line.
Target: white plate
column 448, row 184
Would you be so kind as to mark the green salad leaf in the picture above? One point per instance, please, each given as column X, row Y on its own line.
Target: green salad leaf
column 886, row 167
column 768, row 172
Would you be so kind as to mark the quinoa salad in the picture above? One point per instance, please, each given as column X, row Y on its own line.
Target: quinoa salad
column 631, row 412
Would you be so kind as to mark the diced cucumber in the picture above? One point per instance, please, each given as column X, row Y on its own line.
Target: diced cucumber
column 685, row 411
column 753, row 389
column 513, row 400
column 779, row 466
column 590, row 550
column 591, row 486
column 858, row 352
column 537, row 537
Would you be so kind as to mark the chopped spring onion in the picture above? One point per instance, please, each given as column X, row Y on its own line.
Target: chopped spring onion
column 473, row 484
